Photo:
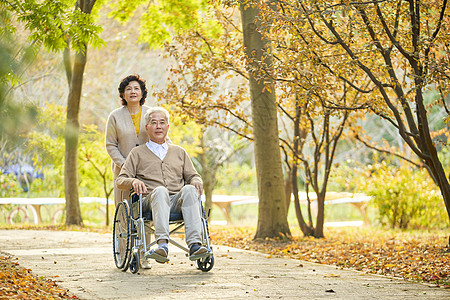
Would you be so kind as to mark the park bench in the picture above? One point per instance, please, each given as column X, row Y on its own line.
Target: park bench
column 360, row 201
column 223, row 202
column 21, row 205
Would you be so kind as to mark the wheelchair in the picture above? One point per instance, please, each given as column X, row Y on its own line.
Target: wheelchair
column 129, row 235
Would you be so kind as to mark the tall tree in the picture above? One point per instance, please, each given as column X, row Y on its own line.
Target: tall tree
column 272, row 217
column 93, row 154
column 313, row 127
column 75, row 75
column 402, row 47
column 61, row 26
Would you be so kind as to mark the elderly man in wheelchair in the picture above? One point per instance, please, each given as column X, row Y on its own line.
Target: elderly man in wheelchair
column 168, row 185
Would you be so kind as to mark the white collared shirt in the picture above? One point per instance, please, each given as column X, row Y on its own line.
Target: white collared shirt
column 160, row 150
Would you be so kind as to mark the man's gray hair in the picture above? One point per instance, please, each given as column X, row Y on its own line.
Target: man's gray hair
column 152, row 110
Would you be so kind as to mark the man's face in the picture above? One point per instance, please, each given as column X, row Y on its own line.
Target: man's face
column 157, row 128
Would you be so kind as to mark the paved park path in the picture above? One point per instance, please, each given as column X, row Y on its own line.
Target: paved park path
column 83, row 263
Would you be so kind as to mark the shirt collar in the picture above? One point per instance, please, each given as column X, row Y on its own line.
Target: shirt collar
column 156, row 145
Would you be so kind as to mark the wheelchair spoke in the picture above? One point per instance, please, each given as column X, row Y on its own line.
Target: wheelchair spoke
column 121, row 237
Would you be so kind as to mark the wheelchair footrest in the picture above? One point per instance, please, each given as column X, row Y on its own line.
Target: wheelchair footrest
column 201, row 255
column 159, row 258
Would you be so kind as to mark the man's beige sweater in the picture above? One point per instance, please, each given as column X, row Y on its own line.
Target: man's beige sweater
column 173, row 172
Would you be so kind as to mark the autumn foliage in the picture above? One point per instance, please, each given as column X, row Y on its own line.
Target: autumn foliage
column 422, row 257
column 17, row 282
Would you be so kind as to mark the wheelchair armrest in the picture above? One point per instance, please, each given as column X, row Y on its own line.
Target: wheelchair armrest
column 133, row 196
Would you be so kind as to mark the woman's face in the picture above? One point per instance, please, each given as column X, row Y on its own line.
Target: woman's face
column 132, row 93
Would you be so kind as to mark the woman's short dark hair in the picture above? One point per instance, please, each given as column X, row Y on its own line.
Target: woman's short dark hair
column 123, row 84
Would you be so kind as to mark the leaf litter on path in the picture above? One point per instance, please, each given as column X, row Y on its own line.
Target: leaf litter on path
column 17, row 282
column 413, row 255
column 419, row 256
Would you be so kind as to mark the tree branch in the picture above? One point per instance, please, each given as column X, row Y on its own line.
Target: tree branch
column 358, row 138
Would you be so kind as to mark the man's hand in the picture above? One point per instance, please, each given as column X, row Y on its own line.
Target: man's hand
column 139, row 187
column 198, row 186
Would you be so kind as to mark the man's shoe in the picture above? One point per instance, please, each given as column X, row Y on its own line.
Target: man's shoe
column 197, row 251
column 162, row 250
column 160, row 254
column 145, row 264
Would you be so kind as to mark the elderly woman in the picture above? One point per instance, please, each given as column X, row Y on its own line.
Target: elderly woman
column 125, row 128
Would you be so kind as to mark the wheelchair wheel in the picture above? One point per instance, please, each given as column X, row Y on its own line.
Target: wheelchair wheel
column 205, row 264
column 122, row 236
column 134, row 263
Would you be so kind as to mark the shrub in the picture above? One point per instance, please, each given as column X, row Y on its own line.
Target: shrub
column 9, row 186
column 51, row 185
column 405, row 197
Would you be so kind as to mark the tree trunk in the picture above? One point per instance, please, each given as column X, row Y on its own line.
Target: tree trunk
column 443, row 182
column 272, row 216
column 73, row 212
column 288, row 190
column 107, row 197
column 67, row 63
column 208, row 190
column 318, row 230
column 75, row 75
column 208, row 173
column 209, row 182
column 307, row 230
column 432, row 159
